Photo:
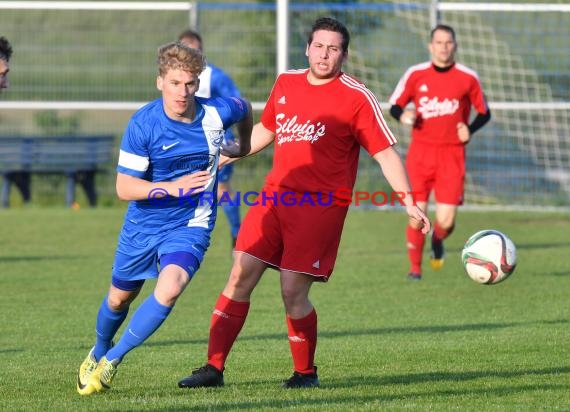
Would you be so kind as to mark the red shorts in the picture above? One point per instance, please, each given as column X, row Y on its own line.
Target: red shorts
column 440, row 168
column 293, row 233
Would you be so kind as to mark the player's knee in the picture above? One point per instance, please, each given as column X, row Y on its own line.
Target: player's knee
column 289, row 298
column 118, row 303
column 447, row 224
column 168, row 296
column 293, row 297
column 240, row 285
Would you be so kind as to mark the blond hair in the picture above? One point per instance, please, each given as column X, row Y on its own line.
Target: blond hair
column 176, row 55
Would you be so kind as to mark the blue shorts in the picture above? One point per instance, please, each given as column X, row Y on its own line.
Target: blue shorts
column 138, row 254
column 225, row 173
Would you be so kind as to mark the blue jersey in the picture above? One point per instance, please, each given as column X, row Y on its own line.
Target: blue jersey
column 214, row 82
column 159, row 149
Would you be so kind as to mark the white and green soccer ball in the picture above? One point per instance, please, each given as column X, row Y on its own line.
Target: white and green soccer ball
column 489, row 257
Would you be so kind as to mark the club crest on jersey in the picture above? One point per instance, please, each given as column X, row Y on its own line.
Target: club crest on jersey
column 215, row 137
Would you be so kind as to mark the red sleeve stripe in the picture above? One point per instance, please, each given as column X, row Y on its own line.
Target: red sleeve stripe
column 355, row 85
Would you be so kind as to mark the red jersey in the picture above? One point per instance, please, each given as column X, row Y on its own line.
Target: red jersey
column 442, row 99
column 319, row 131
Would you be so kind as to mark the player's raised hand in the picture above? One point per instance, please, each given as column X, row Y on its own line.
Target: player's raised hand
column 416, row 213
column 233, row 149
column 408, row 117
column 195, row 182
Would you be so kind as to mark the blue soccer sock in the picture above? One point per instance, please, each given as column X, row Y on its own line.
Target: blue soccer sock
column 231, row 209
column 145, row 321
column 108, row 322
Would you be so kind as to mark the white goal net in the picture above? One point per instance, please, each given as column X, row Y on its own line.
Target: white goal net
column 521, row 52
column 85, row 66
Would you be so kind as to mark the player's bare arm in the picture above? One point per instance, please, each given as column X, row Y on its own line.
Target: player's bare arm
column 133, row 188
column 260, row 139
column 393, row 169
column 242, row 145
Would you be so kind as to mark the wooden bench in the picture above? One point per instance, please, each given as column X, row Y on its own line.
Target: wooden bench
column 78, row 158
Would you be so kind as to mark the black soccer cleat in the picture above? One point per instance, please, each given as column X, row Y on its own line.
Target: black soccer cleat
column 414, row 276
column 437, row 256
column 206, row 376
column 301, row 380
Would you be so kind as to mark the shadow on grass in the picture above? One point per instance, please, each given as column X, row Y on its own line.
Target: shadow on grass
column 529, row 246
column 10, row 351
column 428, row 377
column 562, row 273
column 8, row 259
column 375, row 331
column 323, row 398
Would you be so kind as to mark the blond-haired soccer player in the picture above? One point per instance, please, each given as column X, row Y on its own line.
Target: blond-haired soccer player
column 167, row 170
column 214, row 82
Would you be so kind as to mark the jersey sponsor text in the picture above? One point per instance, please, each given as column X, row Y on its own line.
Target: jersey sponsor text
column 432, row 107
column 289, row 130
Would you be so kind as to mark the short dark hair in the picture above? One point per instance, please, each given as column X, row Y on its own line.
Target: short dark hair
column 191, row 34
column 5, row 49
column 443, row 27
column 330, row 24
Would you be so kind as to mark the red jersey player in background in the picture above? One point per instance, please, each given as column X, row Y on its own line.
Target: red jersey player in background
column 318, row 119
column 443, row 93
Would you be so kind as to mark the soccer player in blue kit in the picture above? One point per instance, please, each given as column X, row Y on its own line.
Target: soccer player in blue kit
column 214, row 82
column 167, row 166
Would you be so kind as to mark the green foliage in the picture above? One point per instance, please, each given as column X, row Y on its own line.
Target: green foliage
column 51, row 122
column 444, row 343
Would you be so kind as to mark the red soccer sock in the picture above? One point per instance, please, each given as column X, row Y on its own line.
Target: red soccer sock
column 227, row 320
column 415, row 243
column 303, row 342
column 439, row 234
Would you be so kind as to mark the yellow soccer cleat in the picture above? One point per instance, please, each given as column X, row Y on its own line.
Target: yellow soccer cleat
column 102, row 377
column 436, row 264
column 85, row 371
column 437, row 255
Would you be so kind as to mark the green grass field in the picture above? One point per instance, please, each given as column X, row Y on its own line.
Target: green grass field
column 385, row 343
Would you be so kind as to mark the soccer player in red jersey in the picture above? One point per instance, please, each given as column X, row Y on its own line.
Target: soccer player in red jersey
column 443, row 93
column 317, row 118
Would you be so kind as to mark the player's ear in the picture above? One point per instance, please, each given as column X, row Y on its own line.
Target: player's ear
column 159, row 82
column 307, row 51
